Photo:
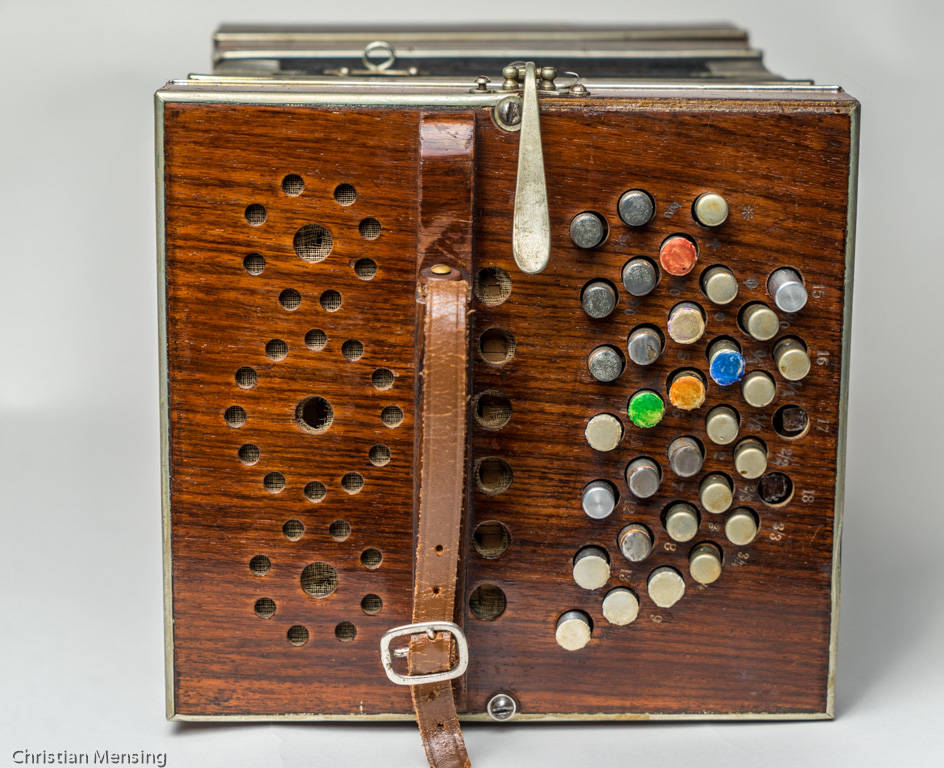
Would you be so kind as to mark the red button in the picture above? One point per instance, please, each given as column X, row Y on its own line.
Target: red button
column 678, row 255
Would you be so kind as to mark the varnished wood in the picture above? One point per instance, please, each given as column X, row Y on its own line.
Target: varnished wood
column 754, row 642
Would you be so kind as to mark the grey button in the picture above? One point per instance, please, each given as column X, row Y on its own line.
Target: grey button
column 598, row 299
column 605, row 363
column 643, row 477
column 640, row 276
column 644, row 346
column 587, row 230
column 599, row 499
column 786, row 288
column 636, row 208
column 685, row 457
column 635, row 542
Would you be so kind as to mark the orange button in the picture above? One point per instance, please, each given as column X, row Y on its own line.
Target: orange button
column 687, row 392
column 678, row 255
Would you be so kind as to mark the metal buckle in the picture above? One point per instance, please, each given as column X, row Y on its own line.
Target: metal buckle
column 429, row 628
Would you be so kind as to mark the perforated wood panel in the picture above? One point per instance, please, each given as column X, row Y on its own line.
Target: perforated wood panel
column 291, row 261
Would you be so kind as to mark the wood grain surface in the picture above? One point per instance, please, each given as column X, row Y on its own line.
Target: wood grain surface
column 756, row 641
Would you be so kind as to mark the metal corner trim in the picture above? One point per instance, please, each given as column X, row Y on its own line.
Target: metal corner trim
column 839, row 503
column 164, row 386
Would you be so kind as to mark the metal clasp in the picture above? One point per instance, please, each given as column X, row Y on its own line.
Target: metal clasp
column 429, row 628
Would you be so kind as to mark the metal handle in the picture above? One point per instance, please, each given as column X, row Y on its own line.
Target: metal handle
column 531, row 236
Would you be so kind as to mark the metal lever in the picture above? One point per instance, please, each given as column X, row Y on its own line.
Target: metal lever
column 531, row 233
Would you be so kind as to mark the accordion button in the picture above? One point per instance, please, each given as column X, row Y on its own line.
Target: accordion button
column 636, row 208
column 620, row 607
column 740, row 527
column 598, row 299
column 686, row 322
column 704, row 563
column 591, row 568
column 685, row 457
column 644, row 346
column 710, row 209
column 587, row 230
column 639, row 276
column 643, row 478
column 573, row 630
column 722, row 425
column 599, row 499
column 605, row 363
column 678, row 255
column 726, row 363
column 758, row 389
column 635, row 542
column 687, row 391
column 760, row 322
column 719, row 285
column 716, row 493
column 793, row 361
column 604, row 432
column 645, row 409
column 681, row 522
column 750, row 458
column 666, row 586
column 787, row 290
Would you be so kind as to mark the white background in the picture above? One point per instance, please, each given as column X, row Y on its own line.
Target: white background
column 81, row 625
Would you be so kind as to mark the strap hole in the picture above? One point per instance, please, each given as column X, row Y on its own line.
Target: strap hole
column 435, row 590
column 431, row 696
column 440, row 726
column 439, row 547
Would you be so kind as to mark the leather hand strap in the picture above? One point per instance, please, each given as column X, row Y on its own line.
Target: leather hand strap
column 442, row 482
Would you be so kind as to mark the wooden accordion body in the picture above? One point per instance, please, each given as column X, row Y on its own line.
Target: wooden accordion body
column 299, row 202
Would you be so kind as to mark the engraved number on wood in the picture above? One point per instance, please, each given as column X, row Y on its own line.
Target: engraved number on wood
column 777, row 533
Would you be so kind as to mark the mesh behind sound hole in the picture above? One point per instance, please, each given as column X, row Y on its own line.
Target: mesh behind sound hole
column 488, row 602
column 319, row 579
column 313, row 243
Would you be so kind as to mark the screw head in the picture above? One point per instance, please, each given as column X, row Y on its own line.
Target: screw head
column 509, row 111
column 440, row 269
column 502, row 707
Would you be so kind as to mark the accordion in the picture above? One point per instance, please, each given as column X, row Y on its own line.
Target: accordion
column 504, row 376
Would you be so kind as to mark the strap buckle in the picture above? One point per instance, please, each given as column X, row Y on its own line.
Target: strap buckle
column 429, row 628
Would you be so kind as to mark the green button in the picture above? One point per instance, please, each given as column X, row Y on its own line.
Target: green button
column 646, row 409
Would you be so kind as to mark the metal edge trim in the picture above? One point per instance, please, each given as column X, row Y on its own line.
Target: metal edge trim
column 484, row 717
column 240, row 54
column 180, row 91
column 227, row 34
column 839, row 503
column 164, row 408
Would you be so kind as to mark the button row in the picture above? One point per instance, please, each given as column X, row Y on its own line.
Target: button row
column 636, row 208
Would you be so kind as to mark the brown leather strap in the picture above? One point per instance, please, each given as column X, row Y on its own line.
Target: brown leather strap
column 441, row 499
